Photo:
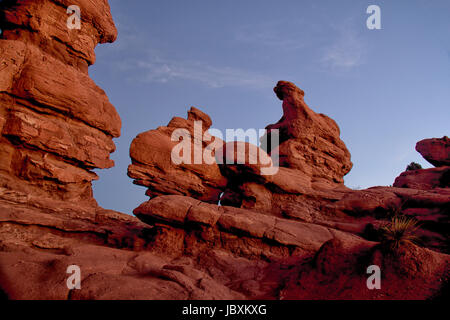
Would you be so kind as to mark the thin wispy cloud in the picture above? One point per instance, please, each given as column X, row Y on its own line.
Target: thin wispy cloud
column 149, row 62
column 162, row 70
column 346, row 52
column 336, row 47
column 279, row 34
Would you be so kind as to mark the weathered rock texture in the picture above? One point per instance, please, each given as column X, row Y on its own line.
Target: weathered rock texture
column 296, row 234
column 312, row 158
column 56, row 124
column 435, row 151
column 153, row 167
column 309, row 142
column 301, row 231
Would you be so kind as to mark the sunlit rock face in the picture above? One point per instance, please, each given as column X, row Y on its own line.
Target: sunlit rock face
column 301, row 216
column 435, row 151
column 154, row 166
column 56, row 124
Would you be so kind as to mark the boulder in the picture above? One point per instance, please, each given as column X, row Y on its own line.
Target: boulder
column 155, row 167
column 435, row 151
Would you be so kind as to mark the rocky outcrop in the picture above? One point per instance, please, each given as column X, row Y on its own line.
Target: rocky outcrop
column 309, row 142
column 38, row 242
column 153, row 164
column 56, row 124
column 194, row 226
column 301, row 218
column 422, row 194
column 435, row 151
column 424, row 179
column 312, row 163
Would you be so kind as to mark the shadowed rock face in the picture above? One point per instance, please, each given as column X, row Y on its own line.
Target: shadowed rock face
column 297, row 234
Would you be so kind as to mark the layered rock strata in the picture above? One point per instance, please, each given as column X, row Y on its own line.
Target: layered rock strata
column 298, row 218
column 56, row 124
column 154, row 166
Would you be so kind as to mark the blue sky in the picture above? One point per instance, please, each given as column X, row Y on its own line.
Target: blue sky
column 387, row 89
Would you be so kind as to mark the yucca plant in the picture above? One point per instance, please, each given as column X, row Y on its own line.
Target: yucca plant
column 401, row 230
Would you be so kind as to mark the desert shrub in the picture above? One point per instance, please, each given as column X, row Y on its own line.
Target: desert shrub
column 400, row 230
column 413, row 166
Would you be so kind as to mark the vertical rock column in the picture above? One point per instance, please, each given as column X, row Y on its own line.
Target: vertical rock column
column 56, row 124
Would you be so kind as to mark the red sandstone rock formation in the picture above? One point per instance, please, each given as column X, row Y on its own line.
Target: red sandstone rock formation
column 435, row 151
column 424, row 179
column 299, row 233
column 152, row 165
column 312, row 159
column 56, row 125
column 289, row 220
column 309, row 142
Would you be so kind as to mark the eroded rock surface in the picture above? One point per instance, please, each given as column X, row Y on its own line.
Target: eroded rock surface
column 309, row 142
column 56, row 124
column 153, row 165
column 435, row 151
column 301, row 224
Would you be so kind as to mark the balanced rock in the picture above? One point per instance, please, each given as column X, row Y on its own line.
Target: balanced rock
column 310, row 158
column 435, row 151
column 164, row 169
column 309, row 141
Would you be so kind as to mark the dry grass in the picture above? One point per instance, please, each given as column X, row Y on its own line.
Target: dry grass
column 401, row 230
